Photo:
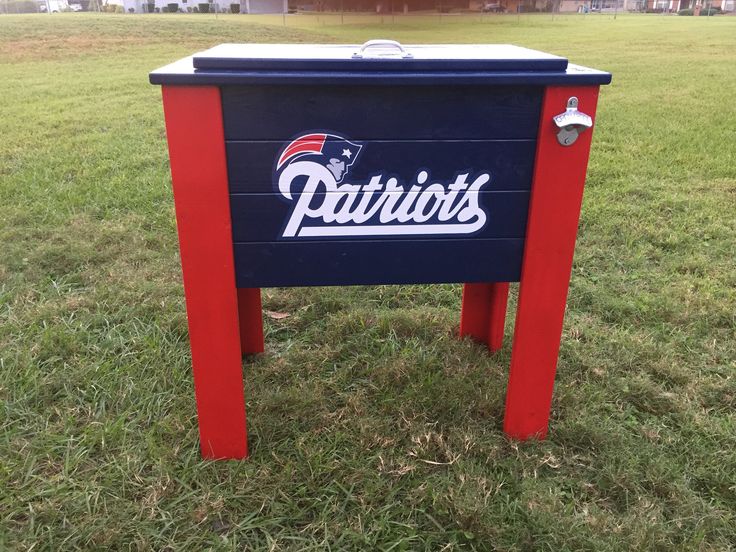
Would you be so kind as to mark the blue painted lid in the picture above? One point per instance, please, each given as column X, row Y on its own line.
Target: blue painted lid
column 376, row 55
column 375, row 62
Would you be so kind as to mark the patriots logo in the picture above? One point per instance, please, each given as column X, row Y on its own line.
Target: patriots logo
column 335, row 153
column 310, row 171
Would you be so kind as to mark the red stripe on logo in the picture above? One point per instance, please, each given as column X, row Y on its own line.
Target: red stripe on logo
column 308, row 143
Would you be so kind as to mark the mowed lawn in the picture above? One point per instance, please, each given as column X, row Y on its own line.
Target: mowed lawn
column 371, row 426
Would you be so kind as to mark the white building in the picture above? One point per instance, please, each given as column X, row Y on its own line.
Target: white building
column 264, row 6
column 246, row 6
column 144, row 6
column 53, row 6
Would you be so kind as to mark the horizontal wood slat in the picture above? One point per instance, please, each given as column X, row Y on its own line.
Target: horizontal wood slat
column 510, row 163
column 264, row 217
column 274, row 112
column 336, row 263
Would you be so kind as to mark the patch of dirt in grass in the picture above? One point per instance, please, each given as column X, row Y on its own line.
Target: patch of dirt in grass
column 62, row 47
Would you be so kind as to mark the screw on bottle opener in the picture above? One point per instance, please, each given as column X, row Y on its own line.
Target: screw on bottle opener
column 571, row 123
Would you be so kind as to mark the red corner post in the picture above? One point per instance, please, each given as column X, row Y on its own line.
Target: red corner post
column 199, row 175
column 483, row 313
column 554, row 210
column 251, row 320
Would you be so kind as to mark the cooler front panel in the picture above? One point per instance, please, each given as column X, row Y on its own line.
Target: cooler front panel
column 379, row 185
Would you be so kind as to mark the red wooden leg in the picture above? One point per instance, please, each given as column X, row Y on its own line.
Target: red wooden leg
column 475, row 311
column 483, row 313
column 497, row 318
column 557, row 192
column 251, row 321
column 199, row 176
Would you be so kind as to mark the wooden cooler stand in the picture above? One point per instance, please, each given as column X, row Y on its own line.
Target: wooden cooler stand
column 225, row 320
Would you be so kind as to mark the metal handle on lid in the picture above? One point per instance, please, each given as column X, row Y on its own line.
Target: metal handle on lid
column 397, row 48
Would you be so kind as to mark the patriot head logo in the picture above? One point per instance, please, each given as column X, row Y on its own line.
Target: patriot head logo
column 335, row 153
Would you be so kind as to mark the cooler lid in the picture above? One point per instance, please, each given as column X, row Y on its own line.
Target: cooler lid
column 377, row 62
column 377, row 55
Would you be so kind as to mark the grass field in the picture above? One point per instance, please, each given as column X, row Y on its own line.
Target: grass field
column 371, row 426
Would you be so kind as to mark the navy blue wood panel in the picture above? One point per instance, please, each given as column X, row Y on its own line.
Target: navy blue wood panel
column 511, row 163
column 262, row 218
column 338, row 263
column 381, row 113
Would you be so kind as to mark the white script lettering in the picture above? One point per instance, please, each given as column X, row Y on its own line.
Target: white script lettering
column 343, row 209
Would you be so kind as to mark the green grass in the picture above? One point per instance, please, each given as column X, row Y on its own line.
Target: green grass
column 371, row 426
